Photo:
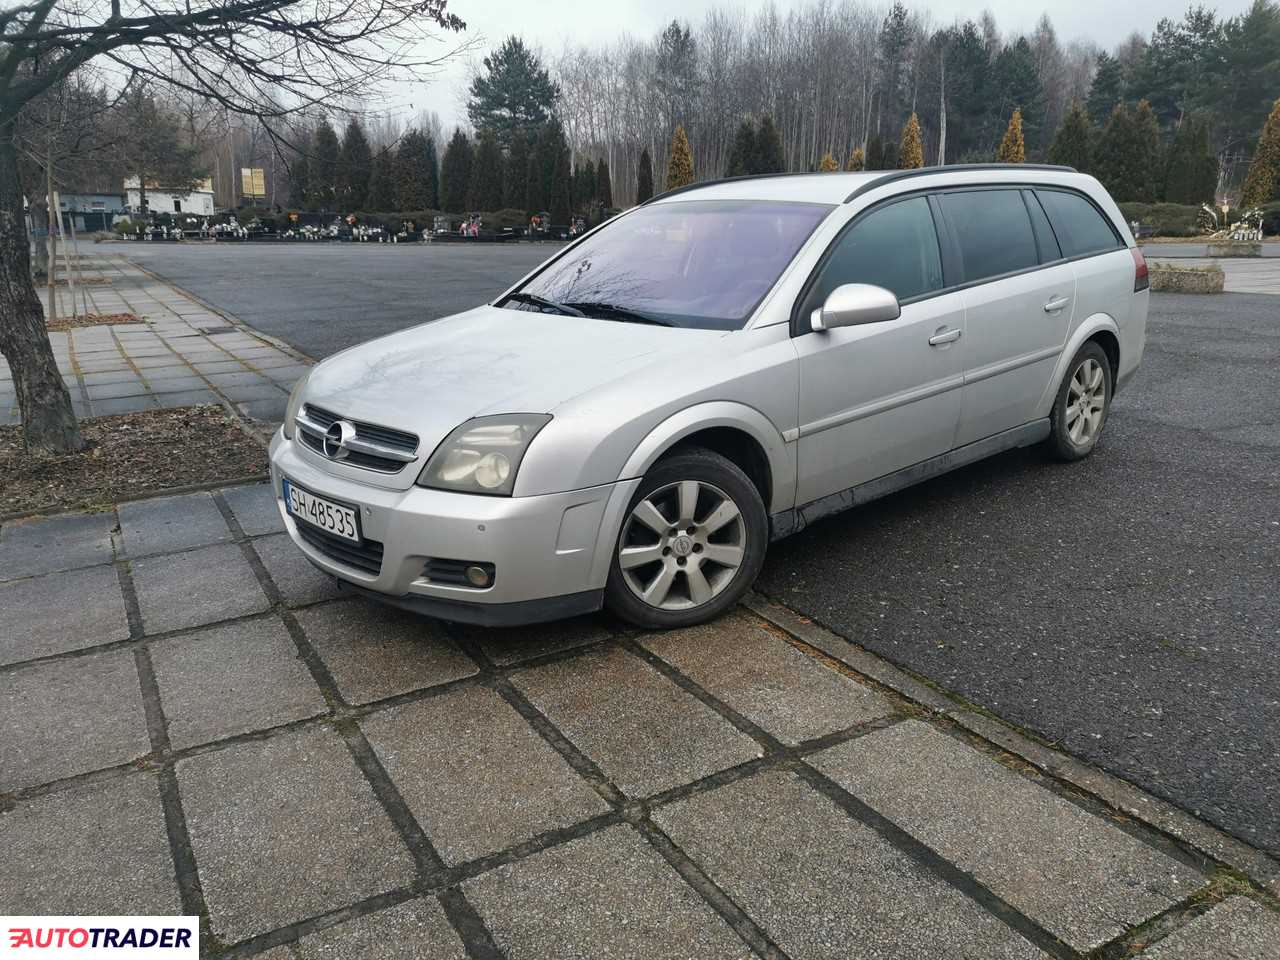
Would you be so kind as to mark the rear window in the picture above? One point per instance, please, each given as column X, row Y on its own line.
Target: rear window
column 1080, row 226
column 993, row 231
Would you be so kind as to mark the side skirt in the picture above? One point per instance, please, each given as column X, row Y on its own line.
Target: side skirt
column 787, row 522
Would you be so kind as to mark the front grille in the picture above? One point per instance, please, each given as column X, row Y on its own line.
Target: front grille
column 453, row 572
column 366, row 556
column 393, row 440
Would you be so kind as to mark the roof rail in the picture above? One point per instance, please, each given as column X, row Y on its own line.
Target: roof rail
column 715, row 183
column 897, row 175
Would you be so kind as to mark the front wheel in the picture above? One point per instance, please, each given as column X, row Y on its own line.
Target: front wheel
column 1081, row 407
column 691, row 544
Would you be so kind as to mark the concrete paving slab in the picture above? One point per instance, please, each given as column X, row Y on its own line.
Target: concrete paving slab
column 188, row 398
column 646, row 734
column 245, row 379
column 792, row 696
column 106, row 408
column 1236, row 929
column 233, row 679
column 59, row 612
column 193, row 589
column 286, row 828
column 414, row 930
column 110, row 376
column 515, row 644
column 171, row 523
column 254, row 506
column 121, row 388
column 268, row 411
column 475, row 774
column 1079, row 877
column 68, row 717
column 606, row 897
column 374, row 652
column 252, row 392
column 95, row 849
column 49, row 544
column 822, row 885
column 299, row 582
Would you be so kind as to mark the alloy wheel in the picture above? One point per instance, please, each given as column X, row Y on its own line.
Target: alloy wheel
column 682, row 545
column 1086, row 401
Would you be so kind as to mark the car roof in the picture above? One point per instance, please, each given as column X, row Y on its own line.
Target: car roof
column 840, row 187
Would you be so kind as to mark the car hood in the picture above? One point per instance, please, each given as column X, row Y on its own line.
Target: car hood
column 430, row 378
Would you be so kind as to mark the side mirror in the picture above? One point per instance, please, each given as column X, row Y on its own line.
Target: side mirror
column 852, row 304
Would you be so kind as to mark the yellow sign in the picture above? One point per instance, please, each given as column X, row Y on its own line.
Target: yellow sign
column 253, row 183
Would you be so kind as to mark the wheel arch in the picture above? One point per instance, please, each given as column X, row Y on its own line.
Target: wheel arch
column 1101, row 328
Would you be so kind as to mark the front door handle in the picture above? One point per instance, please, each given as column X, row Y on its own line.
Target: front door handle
column 946, row 336
column 1056, row 304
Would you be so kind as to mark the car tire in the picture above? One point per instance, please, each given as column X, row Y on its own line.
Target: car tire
column 693, row 540
column 1082, row 405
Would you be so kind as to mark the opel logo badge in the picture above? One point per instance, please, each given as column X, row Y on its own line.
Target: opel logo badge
column 336, row 438
column 682, row 546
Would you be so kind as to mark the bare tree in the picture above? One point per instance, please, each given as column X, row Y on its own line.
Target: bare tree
column 260, row 58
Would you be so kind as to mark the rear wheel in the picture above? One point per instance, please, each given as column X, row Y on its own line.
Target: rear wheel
column 691, row 544
column 1083, row 402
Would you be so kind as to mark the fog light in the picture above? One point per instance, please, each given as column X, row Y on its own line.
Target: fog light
column 478, row 576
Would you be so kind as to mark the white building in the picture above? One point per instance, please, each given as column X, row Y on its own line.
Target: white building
column 162, row 200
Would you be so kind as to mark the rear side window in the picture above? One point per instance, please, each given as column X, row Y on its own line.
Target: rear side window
column 993, row 231
column 1080, row 226
column 894, row 246
column 1047, row 242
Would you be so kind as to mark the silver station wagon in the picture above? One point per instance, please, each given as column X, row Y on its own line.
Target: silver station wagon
column 632, row 423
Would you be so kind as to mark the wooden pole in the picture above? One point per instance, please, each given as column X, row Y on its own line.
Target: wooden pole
column 66, row 255
column 52, row 312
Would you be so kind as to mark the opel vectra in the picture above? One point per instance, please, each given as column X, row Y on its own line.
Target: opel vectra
column 632, row 423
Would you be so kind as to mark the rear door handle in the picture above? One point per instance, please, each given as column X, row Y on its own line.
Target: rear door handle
column 946, row 336
column 1056, row 304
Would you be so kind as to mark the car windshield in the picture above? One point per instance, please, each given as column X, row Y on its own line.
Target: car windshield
column 697, row 263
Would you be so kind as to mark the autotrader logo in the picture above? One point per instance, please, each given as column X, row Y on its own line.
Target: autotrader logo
column 92, row 937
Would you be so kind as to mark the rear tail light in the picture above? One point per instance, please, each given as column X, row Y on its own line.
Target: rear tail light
column 1141, row 278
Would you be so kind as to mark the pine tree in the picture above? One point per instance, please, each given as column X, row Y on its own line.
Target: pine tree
column 911, row 152
column 584, row 186
column 644, row 177
column 515, row 189
column 1072, row 144
column 1147, row 145
column 1013, row 148
column 680, row 161
column 382, row 194
column 604, row 187
column 545, row 167
column 484, row 190
column 1192, row 174
column 742, row 155
column 828, row 163
column 857, row 161
column 323, row 181
column 875, row 153
column 768, row 152
column 514, row 95
column 1263, row 180
column 455, row 173
column 354, row 166
column 558, row 206
column 415, row 173
column 1121, row 162
column 1107, row 89
column 299, row 175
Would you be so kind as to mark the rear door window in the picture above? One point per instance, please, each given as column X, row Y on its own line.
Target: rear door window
column 894, row 246
column 1045, row 240
column 1080, row 226
column 993, row 231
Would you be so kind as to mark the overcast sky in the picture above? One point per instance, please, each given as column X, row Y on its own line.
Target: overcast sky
column 550, row 23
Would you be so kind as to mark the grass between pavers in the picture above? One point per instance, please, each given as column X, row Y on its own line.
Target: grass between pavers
column 130, row 455
column 90, row 320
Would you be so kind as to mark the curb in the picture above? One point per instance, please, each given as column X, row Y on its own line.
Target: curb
column 1119, row 795
column 141, row 495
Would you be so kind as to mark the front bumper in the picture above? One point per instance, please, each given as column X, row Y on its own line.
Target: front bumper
column 551, row 553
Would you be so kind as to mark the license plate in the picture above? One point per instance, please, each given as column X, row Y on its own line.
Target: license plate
column 334, row 518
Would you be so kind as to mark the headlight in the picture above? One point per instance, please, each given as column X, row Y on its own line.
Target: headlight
column 483, row 455
column 295, row 404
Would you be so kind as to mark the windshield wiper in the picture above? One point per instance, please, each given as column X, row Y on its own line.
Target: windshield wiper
column 537, row 301
column 614, row 312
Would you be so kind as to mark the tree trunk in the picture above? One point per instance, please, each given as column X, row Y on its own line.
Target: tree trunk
column 40, row 249
column 48, row 422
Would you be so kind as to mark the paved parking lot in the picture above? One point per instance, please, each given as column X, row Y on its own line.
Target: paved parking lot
column 196, row 721
column 1122, row 607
